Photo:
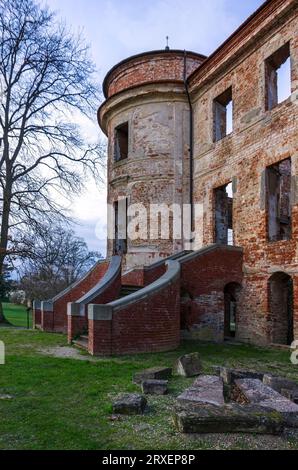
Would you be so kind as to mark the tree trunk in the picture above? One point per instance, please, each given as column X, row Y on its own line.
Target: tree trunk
column 4, row 233
column 2, row 317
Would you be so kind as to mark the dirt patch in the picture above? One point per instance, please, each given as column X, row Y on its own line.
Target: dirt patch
column 65, row 352
column 237, row 395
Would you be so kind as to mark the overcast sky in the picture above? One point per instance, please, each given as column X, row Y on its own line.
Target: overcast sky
column 116, row 29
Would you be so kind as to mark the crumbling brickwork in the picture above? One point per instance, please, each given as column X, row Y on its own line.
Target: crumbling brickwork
column 148, row 92
column 204, row 277
column 150, row 325
column 260, row 138
column 53, row 315
column 152, row 67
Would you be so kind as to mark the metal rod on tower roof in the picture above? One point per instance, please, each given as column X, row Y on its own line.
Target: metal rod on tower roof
column 167, row 46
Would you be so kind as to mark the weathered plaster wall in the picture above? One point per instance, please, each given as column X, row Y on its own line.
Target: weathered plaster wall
column 148, row 92
column 156, row 170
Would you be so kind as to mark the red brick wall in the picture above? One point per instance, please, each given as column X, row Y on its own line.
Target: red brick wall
column 204, row 278
column 99, row 339
column 111, row 292
column 151, row 274
column 260, row 138
column 152, row 324
column 36, row 318
column 59, row 322
column 77, row 325
column 212, row 271
column 134, row 278
column 143, row 276
column 47, row 321
column 158, row 67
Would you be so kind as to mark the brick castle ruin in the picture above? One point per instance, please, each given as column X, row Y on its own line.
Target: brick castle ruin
column 215, row 137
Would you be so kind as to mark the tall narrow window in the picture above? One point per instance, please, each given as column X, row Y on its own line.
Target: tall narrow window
column 121, row 142
column 224, row 215
column 120, row 217
column 278, row 77
column 223, row 115
column 278, row 194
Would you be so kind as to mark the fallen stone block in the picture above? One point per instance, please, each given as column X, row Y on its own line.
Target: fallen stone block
column 230, row 418
column 155, row 373
column 291, row 420
column 5, row 397
column 189, row 365
column 230, row 375
column 279, row 383
column 216, row 369
column 205, row 389
column 155, row 387
column 258, row 393
column 130, row 404
column 290, row 394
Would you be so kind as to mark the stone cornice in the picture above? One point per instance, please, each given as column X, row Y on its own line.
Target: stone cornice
column 256, row 25
column 169, row 90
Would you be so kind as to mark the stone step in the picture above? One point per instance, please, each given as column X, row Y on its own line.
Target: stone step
column 81, row 343
column 85, row 337
column 230, row 418
column 205, row 389
column 263, row 395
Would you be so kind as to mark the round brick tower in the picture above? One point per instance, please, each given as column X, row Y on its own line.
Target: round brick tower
column 146, row 117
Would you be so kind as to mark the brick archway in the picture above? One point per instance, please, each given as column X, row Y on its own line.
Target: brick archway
column 280, row 297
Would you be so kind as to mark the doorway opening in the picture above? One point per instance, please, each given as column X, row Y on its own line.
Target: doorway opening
column 281, row 308
column 231, row 295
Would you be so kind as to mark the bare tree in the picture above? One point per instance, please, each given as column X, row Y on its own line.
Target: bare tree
column 58, row 258
column 46, row 77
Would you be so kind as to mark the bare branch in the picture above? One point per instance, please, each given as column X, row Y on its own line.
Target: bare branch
column 48, row 80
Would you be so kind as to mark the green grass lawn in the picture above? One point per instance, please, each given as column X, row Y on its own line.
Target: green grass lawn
column 65, row 403
column 17, row 315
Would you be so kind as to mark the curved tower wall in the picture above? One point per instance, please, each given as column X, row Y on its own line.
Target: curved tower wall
column 146, row 95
